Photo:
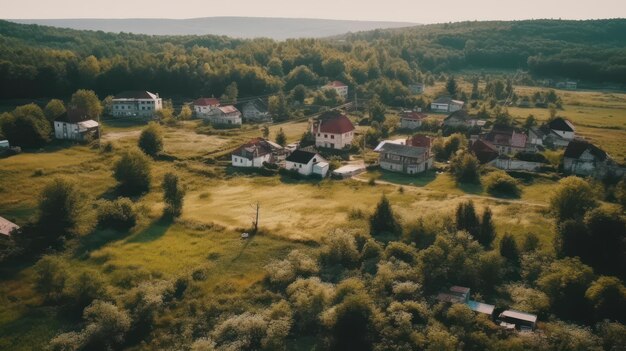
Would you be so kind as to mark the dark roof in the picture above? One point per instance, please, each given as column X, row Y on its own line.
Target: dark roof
column 460, row 114
column 135, row 94
column 576, row 148
column 73, row 115
column 413, row 115
column 300, row 156
column 561, row 124
column 254, row 148
column 418, row 140
column 334, row 122
column 259, row 104
column 403, row 150
column 484, row 151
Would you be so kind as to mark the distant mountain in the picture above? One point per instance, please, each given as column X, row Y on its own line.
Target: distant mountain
column 236, row 27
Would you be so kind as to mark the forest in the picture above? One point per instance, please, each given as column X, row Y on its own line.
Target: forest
column 38, row 61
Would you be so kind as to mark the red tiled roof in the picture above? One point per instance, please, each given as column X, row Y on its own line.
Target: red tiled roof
column 335, row 123
column 207, row 102
column 228, row 109
column 484, row 151
column 419, row 141
column 336, row 84
column 6, row 226
column 416, row 116
column 254, row 148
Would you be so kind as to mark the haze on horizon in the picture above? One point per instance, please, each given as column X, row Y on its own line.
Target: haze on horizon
column 394, row 10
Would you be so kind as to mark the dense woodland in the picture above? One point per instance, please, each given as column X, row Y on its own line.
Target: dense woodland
column 37, row 61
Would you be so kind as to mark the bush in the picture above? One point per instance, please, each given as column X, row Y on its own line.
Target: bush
column 464, row 167
column 61, row 210
column 151, row 139
column 500, row 183
column 119, row 214
column 132, row 172
column 173, row 195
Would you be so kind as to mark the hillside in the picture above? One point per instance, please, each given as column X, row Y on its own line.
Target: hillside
column 236, row 27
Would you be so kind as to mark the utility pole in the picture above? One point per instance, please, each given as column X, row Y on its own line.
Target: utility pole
column 256, row 220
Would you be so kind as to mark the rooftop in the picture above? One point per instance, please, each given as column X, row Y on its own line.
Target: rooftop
column 6, row 226
column 207, row 102
column 136, row 94
column 412, row 115
column 403, row 150
column 576, row 148
column 334, row 122
column 519, row 315
column 300, row 156
column 561, row 124
column 73, row 115
column 336, row 84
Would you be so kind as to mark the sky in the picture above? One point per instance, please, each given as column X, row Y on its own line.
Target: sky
column 417, row 11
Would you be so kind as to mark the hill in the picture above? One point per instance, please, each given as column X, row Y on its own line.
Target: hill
column 236, row 27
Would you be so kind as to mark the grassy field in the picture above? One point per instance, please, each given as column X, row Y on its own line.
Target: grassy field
column 218, row 207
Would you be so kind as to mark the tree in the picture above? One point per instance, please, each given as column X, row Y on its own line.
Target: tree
column 86, row 287
column 607, row 295
column 26, row 126
column 376, row 109
column 453, row 143
column 383, row 221
column 499, row 183
column 173, row 195
column 451, row 86
column 119, row 214
column 307, row 139
column 572, row 198
column 275, row 67
column 620, row 192
column 475, row 91
column 231, row 93
column 132, row 172
column 51, row 275
column 352, row 327
column 185, row 113
column 281, row 138
column 298, row 93
column 508, row 248
column 88, row 101
column 61, row 210
column 89, row 68
column 530, row 122
column 464, row 166
column 266, row 131
column 277, row 107
column 151, row 139
column 466, row 218
column 606, row 245
column 54, row 109
column 487, row 230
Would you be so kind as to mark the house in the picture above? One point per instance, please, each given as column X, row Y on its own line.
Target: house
column 460, row 294
column 224, row 115
column 506, row 139
column 446, row 104
column 204, row 106
column 586, row 159
column 461, row 118
column 416, row 88
column 339, row 87
column 523, row 321
column 563, row 128
column 255, row 153
column 136, row 104
column 307, row 163
column 419, row 140
column 411, row 119
column 350, row 170
column 7, row 227
column 395, row 141
column 484, row 151
column 536, row 136
column 333, row 130
column 75, row 125
column 404, row 158
column 4, row 144
column 255, row 111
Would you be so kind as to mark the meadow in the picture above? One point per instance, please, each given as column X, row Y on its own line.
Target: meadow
column 219, row 207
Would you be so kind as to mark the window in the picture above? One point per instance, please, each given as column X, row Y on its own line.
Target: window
column 319, row 134
column 332, row 137
column 325, row 135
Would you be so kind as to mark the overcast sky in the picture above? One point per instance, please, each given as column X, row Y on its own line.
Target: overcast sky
column 418, row 11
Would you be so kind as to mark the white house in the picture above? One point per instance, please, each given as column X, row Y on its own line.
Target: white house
column 203, row 106
column 255, row 111
column 585, row 159
column 136, row 104
column 339, row 87
column 411, row 119
column 563, row 128
column 307, row 163
column 226, row 115
column 255, row 153
column 446, row 104
column 75, row 125
column 333, row 130
column 404, row 158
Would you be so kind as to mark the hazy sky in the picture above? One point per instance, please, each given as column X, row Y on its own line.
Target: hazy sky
column 419, row 11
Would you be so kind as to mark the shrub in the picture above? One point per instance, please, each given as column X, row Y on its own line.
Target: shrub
column 572, row 198
column 173, row 195
column 464, row 166
column 340, row 249
column 132, row 172
column 61, row 210
column 119, row 214
column 151, row 139
column 500, row 183
column 51, row 275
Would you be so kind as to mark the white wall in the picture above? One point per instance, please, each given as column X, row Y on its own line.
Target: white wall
column 339, row 140
column 302, row 169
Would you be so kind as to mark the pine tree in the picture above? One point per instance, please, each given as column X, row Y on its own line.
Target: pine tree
column 487, row 230
column 281, row 138
column 508, row 248
column 383, row 221
column 466, row 218
column 451, row 86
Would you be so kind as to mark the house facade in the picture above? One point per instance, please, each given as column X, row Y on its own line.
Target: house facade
column 404, row 158
column 563, row 128
column 255, row 111
column 75, row 125
column 204, row 106
column 307, row 163
column 411, row 119
column 446, row 104
column 507, row 140
column 333, row 130
column 224, row 115
column 416, row 88
column 255, row 153
column 585, row 159
column 136, row 104
column 339, row 87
